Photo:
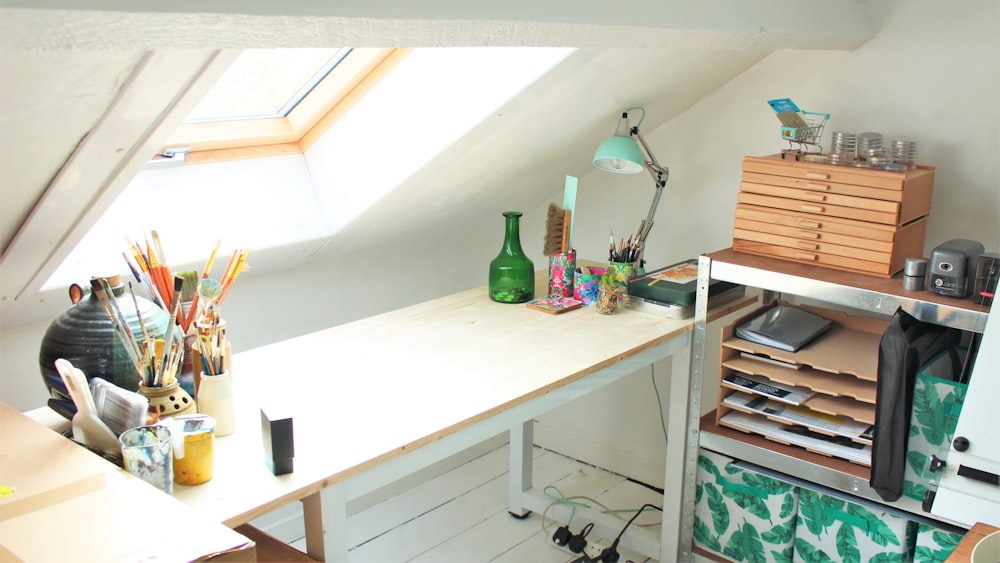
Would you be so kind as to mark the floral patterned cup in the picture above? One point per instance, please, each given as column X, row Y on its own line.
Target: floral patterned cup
column 561, row 268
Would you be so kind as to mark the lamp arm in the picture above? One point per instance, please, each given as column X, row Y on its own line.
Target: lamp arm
column 660, row 175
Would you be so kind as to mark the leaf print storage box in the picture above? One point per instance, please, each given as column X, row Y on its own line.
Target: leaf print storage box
column 833, row 529
column 742, row 514
column 935, row 544
column 937, row 403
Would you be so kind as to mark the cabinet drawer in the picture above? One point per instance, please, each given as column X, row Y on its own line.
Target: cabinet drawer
column 913, row 247
column 813, row 246
column 824, row 186
column 818, row 196
column 810, row 226
column 914, row 202
column 820, row 209
column 811, row 237
column 904, row 181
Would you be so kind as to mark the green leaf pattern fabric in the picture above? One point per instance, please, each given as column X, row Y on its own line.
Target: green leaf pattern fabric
column 833, row 529
column 747, row 516
column 936, row 406
column 934, row 545
column 741, row 514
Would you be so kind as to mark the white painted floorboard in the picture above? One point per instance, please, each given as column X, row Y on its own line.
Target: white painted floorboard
column 461, row 515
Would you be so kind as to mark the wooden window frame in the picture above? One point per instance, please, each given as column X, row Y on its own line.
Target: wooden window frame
column 332, row 97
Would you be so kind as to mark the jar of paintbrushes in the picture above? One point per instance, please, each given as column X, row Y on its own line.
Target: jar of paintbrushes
column 215, row 393
column 199, row 328
column 154, row 360
column 212, row 361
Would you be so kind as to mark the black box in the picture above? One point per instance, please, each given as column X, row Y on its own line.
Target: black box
column 279, row 442
column 987, row 272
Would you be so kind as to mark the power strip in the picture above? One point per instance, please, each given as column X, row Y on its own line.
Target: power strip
column 592, row 551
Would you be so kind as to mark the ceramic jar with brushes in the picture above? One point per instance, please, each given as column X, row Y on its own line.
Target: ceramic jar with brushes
column 84, row 335
column 215, row 394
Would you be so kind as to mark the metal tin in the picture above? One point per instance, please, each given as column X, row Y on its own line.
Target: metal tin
column 915, row 267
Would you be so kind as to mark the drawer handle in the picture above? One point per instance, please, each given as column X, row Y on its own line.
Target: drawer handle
column 818, row 187
column 809, row 234
column 817, row 175
column 813, row 196
column 810, row 224
column 812, row 208
column 808, row 245
column 806, row 256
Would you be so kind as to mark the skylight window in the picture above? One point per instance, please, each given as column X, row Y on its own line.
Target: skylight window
column 264, row 83
column 289, row 206
column 277, row 101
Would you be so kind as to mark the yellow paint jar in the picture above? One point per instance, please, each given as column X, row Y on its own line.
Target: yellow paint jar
column 198, row 461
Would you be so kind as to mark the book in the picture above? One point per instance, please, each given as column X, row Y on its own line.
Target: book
column 790, row 394
column 718, row 294
column 784, row 327
column 837, row 425
column 554, row 305
column 769, row 360
column 676, row 284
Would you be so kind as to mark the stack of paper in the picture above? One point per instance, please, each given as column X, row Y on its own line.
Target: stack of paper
column 800, row 436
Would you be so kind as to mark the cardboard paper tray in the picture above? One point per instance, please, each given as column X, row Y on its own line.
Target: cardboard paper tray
column 849, row 347
column 834, row 384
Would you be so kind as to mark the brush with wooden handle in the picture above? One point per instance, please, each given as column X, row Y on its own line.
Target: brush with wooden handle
column 556, row 231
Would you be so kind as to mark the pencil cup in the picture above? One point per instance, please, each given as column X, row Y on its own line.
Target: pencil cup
column 621, row 272
column 148, row 454
column 217, row 399
column 168, row 400
column 585, row 284
column 195, row 462
column 227, row 364
column 561, row 268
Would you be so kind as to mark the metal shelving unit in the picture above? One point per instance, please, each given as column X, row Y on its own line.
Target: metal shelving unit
column 858, row 292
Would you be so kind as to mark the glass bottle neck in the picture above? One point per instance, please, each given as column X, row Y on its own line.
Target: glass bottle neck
column 512, row 238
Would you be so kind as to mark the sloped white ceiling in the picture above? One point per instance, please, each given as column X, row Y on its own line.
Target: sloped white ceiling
column 66, row 71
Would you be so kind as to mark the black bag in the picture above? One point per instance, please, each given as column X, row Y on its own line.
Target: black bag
column 906, row 346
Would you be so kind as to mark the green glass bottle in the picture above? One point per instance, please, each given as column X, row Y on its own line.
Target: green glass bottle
column 512, row 275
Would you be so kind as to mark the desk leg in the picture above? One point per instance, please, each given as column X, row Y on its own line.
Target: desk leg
column 522, row 442
column 325, row 516
column 673, row 537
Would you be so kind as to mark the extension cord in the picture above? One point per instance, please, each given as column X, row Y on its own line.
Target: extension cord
column 592, row 550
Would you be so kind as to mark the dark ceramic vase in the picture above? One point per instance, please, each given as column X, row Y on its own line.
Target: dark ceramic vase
column 83, row 334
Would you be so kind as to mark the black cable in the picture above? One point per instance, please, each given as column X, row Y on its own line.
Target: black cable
column 614, row 544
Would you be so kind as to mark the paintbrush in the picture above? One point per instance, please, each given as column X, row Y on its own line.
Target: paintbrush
column 238, row 267
column 168, row 341
column 204, row 275
column 120, row 409
column 101, row 289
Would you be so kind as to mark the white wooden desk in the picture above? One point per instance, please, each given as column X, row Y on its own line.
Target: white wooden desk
column 376, row 399
column 68, row 504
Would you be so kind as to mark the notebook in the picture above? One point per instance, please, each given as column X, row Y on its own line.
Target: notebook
column 784, row 327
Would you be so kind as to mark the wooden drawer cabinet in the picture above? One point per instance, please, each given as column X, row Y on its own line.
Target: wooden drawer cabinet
column 854, row 219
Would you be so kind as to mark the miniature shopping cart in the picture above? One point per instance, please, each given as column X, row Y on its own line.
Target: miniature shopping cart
column 802, row 129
